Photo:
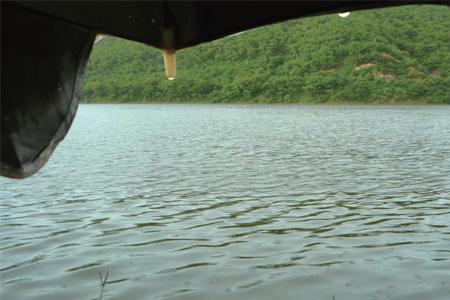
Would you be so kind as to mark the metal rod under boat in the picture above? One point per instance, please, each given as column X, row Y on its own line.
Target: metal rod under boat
column 170, row 63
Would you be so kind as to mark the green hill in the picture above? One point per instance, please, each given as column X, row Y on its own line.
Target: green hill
column 392, row 55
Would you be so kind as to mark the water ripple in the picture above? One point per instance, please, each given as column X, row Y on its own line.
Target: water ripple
column 235, row 202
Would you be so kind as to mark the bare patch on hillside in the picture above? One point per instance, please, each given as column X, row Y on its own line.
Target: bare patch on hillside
column 363, row 66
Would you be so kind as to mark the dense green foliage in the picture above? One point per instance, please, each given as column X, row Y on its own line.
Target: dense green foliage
column 398, row 54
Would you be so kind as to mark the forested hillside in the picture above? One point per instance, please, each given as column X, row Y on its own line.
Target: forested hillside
column 389, row 55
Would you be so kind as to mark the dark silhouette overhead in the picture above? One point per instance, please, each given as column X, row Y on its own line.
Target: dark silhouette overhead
column 45, row 47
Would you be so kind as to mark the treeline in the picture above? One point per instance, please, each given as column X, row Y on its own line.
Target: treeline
column 397, row 54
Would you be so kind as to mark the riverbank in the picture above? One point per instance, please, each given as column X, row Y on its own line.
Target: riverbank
column 266, row 101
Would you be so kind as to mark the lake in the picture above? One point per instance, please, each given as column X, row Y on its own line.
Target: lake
column 235, row 202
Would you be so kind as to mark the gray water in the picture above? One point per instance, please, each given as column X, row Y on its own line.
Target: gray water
column 235, row 202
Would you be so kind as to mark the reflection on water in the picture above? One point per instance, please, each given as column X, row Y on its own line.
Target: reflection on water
column 235, row 202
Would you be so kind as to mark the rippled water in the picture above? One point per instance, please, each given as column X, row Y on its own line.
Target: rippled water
column 235, row 202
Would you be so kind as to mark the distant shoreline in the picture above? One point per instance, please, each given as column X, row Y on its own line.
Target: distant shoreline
column 399, row 58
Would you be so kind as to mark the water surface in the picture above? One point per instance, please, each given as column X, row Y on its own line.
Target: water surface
column 235, row 202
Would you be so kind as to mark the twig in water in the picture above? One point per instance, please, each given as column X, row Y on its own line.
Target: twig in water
column 102, row 284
